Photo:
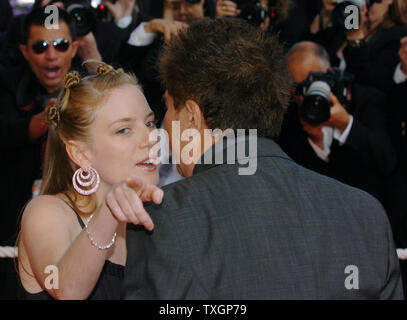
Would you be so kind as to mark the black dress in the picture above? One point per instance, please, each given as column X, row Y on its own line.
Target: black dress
column 110, row 285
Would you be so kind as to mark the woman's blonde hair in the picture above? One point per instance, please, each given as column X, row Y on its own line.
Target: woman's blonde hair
column 395, row 15
column 69, row 119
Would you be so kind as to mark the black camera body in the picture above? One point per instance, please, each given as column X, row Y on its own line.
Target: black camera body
column 339, row 15
column 252, row 11
column 316, row 89
column 84, row 15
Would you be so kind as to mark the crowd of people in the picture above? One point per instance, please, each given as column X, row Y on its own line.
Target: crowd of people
column 65, row 96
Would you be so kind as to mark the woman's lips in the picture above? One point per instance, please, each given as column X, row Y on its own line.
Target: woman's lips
column 150, row 167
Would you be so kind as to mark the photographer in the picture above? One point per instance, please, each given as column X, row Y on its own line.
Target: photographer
column 26, row 92
column 397, row 107
column 129, row 14
column 267, row 14
column 324, row 32
column 371, row 53
column 353, row 145
column 196, row 9
column 98, row 39
column 121, row 12
column 289, row 19
column 398, row 100
column 176, row 14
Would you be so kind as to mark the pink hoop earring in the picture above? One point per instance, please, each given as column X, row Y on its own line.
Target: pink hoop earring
column 82, row 179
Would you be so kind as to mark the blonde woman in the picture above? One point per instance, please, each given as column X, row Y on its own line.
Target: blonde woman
column 97, row 173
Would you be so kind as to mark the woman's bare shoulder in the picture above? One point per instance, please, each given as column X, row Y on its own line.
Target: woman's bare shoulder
column 46, row 208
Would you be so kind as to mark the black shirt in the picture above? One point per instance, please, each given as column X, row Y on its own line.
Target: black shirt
column 110, row 285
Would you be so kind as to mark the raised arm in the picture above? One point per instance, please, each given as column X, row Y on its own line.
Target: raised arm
column 48, row 237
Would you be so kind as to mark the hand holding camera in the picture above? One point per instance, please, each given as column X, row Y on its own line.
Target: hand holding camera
column 339, row 118
column 314, row 133
column 226, row 8
column 325, row 98
column 168, row 28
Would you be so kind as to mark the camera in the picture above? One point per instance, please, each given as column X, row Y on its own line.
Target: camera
column 253, row 12
column 316, row 105
column 339, row 14
column 84, row 15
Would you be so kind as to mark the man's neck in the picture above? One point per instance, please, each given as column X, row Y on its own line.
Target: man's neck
column 207, row 141
column 51, row 91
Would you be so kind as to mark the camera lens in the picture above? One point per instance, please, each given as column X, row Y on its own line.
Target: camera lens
column 315, row 109
column 83, row 16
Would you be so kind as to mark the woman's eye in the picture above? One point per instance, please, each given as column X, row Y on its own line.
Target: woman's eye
column 123, row 131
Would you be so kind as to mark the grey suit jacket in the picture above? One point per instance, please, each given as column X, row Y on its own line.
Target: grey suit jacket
column 283, row 233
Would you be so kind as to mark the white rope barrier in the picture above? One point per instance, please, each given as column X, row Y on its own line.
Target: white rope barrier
column 8, row 252
column 402, row 254
column 12, row 252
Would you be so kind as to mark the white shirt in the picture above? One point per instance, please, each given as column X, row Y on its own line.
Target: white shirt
column 330, row 134
column 140, row 37
column 124, row 22
column 399, row 76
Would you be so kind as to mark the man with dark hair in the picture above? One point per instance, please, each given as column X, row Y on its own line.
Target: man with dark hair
column 257, row 226
column 103, row 42
column 25, row 91
column 49, row 60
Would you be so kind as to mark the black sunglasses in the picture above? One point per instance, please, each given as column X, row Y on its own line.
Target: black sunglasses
column 60, row 44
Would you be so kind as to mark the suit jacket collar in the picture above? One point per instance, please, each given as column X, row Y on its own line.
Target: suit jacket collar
column 266, row 147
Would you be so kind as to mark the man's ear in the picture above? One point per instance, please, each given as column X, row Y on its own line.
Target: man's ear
column 75, row 46
column 195, row 115
column 23, row 49
column 78, row 155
